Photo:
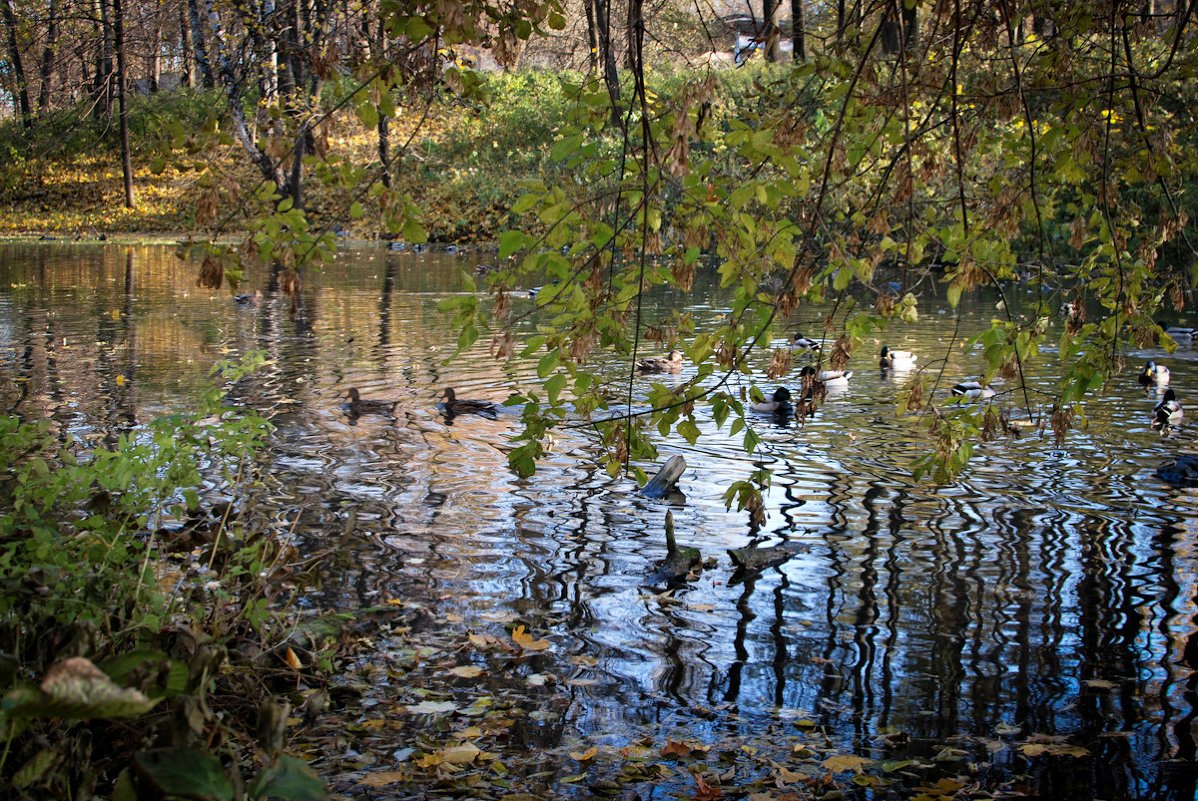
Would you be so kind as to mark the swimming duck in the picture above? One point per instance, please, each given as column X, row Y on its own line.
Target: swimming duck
column 671, row 363
column 248, row 298
column 1167, row 413
column 357, row 405
column 972, row 389
column 802, row 344
column 456, row 405
column 830, row 377
column 896, row 359
column 1154, row 375
column 779, row 404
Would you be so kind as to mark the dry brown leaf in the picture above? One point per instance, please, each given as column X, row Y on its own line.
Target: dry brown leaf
column 382, row 778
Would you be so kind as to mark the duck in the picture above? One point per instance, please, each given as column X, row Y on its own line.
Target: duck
column 1168, row 412
column 248, row 298
column 972, row 390
column 802, row 344
column 1154, row 375
column 456, row 405
column 357, row 405
column 896, row 359
column 830, row 377
column 780, row 403
column 671, row 363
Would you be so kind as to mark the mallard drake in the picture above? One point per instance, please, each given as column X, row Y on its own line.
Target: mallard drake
column 1168, row 412
column 1154, row 375
column 779, row 403
column 802, row 344
column 972, row 389
column 358, row 405
column 671, row 363
column 896, row 359
column 456, row 405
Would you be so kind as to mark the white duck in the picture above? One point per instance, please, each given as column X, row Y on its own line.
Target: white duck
column 972, row 390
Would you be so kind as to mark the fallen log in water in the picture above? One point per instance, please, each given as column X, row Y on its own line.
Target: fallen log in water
column 678, row 562
column 666, row 478
column 761, row 558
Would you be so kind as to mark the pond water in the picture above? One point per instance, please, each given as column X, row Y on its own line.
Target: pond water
column 1050, row 591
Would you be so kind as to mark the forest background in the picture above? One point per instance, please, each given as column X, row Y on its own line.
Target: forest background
column 894, row 149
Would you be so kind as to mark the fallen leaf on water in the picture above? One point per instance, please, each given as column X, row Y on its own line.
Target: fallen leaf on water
column 585, row 756
column 461, row 754
column 527, row 641
column 835, row 764
column 467, row 671
column 946, row 786
column 1053, row 749
column 432, row 707
column 676, row 749
column 704, row 791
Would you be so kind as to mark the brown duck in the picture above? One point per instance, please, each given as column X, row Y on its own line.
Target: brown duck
column 456, row 405
column 671, row 363
column 358, row 405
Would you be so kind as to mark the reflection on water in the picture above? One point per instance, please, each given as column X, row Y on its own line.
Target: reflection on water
column 1051, row 591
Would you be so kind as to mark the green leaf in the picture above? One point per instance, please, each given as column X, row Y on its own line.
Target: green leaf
column 185, row 773
column 509, row 243
column 546, row 365
column 289, row 779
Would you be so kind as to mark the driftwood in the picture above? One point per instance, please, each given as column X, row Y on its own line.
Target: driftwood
column 678, row 562
column 665, row 479
column 761, row 558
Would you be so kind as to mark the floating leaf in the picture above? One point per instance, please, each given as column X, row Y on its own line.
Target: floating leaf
column 467, row 671
column 527, row 642
column 461, row 754
column 840, row 762
column 1053, row 749
column 432, row 707
column 585, row 756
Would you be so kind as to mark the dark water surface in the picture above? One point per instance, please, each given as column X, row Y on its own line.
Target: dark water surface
column 1051, row 591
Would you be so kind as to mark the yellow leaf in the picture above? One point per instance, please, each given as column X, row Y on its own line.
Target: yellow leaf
column 585, row 756
column 527, row 642
column 835, row 764
column 454, row 618
column 1053, row 749
column 472, row 732
column 467, row 671
column 429, row 760
column 292, row 660
column 120, row 380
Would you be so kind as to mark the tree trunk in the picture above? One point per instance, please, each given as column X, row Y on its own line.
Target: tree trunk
column 593, row 58
column 611, row 76
column 21, row 90
column 188, row 72
column 798, row 33
column 118, row 24
column 773, row 43
column 154, row 57
column 102, row 85
column 48, row 57
column 378, row 52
